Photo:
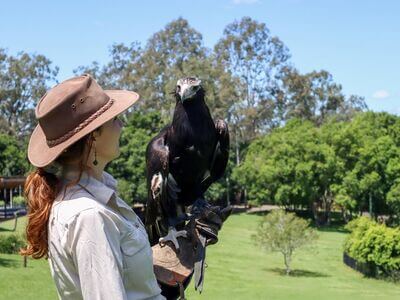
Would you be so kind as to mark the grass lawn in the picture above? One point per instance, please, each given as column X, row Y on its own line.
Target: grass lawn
column 236, row 270
column 17, row 282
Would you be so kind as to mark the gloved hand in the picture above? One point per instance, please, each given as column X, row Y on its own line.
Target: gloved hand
column 207, row 223
column 210, row 222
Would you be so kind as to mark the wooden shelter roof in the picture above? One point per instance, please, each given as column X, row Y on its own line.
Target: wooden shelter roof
column 12, row 182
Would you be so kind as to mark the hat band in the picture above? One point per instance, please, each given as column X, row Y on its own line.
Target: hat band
column 54, row 142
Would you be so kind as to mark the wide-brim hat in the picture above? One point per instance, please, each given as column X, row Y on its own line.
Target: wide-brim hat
column 71, row 110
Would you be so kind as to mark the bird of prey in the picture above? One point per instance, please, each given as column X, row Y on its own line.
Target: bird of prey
column 182, row 161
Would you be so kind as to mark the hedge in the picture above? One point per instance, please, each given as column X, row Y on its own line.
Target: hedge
column 371, row 242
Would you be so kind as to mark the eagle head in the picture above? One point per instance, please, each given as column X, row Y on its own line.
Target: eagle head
column 187, row 88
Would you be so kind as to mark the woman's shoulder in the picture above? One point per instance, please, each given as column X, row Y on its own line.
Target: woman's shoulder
column 74, row 200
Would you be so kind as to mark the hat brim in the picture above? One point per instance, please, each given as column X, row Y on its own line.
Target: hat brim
column 41, row 155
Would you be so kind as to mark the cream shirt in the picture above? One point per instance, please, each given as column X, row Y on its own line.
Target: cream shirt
column 98, row 246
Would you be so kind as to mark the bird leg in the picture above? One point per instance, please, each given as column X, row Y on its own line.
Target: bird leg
column 172, row 236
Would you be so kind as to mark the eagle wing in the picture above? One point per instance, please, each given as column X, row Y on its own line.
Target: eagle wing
column 220, row 157
column 162, row 189
column 157, row 169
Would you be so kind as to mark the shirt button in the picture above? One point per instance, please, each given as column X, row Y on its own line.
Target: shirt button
column 136, row 225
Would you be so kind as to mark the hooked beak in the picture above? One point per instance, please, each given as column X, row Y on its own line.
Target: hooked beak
column 188, row 92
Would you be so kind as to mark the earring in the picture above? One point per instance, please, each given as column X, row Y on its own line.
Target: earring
column 95, row 154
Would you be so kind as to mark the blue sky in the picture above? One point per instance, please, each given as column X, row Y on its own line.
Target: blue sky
column 358, row 42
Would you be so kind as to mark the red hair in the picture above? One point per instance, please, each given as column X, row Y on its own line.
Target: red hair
column 40, row 189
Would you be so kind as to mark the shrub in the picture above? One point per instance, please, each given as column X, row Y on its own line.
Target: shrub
column 284, row 232
column 374, row 243
column 11, row 243
column 19, row 201
column 357, row 227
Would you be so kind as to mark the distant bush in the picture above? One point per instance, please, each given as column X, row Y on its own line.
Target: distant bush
column 19, row 201
column 284, row 232
column 216, row 192
column 10, row 244
column 370, row 242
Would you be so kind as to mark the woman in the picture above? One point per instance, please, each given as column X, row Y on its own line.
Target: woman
column 96, row 245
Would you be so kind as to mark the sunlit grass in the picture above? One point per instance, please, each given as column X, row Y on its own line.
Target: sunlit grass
column 237, row 269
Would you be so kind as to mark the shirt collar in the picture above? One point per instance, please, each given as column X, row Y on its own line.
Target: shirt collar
column 101, row 190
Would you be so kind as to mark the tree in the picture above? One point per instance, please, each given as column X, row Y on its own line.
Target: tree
column 167, row 56
column 255, row 58
column 393, row 200
column 121, row 72
column 374, row 169
column 250, row 83
column 284, row 232
column 12, row 156
column 24, row 80
column 290, row 167
column 171, row 53
column 130, row 167
column 351, row 164
column 315, row 96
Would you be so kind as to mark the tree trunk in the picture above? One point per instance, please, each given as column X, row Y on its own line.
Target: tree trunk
column 314, row 208
column 15, row 221
column 371, row 210
column 228, row 200
column 287, row 258
column 237, row 148
column 345, row 215
column 328, row 205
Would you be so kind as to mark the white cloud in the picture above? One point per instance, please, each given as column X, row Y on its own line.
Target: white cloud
column 238, row 2
column 381, row 94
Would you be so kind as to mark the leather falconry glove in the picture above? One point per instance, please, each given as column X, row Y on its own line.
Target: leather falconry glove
column 174, row 270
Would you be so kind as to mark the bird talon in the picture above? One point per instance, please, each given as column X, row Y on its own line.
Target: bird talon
column 172, row 236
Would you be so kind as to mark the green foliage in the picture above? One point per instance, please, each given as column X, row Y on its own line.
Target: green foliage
column 371, row 160
column 284, row 232
column 256, row 58
column 393, row 198
column 130, row 167
column 357, row 227
column 171, row 53
column 12, row 156
column 353, row 165
column 290, row 166
column 11, row 243
column 249, row 83
column 24, row 79
column 216, row 192
column 19, row 201
column 374, row 243
column 315, row 96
